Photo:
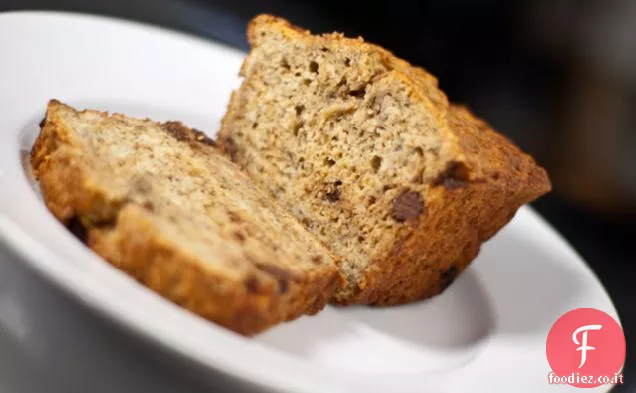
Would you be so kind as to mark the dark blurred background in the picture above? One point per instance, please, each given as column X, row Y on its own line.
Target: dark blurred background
column 556, row 76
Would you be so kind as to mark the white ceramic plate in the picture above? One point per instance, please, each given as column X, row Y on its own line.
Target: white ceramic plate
column 485, row 334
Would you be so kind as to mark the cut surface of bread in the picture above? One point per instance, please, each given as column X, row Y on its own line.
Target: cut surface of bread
column 366, row 151
column 160, row 202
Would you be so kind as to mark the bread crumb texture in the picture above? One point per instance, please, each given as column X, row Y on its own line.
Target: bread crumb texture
column 366, row 151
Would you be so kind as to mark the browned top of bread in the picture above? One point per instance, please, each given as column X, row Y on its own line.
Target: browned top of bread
column 495, row 158
column 369, row 154
column 158, row 201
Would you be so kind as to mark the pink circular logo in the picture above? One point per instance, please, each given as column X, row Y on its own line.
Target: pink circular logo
column 585, row 348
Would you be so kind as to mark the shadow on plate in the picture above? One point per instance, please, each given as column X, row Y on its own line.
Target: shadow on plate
column 459, row 318
column 515, row 287
column 530, row 286
column 445, row 331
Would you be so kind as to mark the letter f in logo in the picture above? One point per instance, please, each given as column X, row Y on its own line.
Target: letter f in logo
column 584, row 347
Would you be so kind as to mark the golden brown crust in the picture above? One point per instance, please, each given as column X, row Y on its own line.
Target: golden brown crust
column 135, row 246
column 123, row 233
column 57, row 164
column 427, row 257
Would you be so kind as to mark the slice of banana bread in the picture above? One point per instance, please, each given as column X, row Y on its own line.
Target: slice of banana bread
column 365, row 150
column 159, row 202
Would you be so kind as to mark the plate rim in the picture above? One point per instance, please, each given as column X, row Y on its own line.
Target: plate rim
column 131, row 22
